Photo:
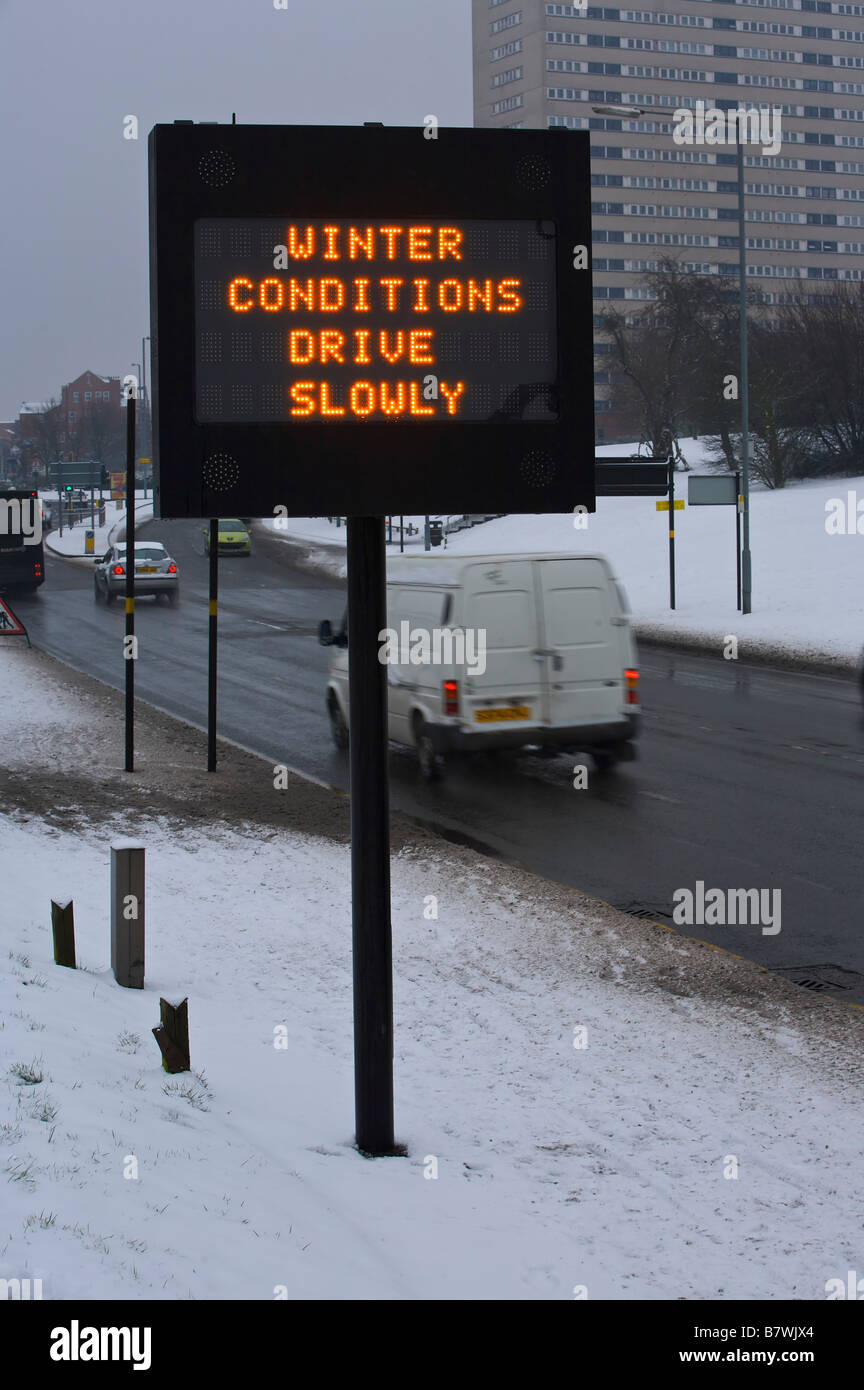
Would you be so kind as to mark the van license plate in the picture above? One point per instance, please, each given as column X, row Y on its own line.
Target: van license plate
column 491, row 716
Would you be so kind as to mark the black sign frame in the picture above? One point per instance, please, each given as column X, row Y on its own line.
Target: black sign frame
column 370, row 174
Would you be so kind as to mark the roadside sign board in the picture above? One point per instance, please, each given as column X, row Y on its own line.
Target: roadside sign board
column 366, row 320
column 9, row 624
column 118, row 487
column 707, row 490
column 678, row 505
column 77, row 474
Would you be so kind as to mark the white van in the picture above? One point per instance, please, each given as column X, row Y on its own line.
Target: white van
column 501, row 651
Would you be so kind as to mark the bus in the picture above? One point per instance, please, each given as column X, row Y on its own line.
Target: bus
column 22, row 559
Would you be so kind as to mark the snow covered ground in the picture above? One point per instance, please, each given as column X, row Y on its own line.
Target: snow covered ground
column 592, row 1105
column 808, row 585
column 72, row 541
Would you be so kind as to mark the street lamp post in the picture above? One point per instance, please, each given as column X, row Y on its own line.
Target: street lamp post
column 745, row 394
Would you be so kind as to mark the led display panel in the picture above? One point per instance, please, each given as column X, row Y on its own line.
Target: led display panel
column 364, row 321
column 410, row 321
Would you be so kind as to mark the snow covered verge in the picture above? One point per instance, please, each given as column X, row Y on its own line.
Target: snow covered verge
column 808, row 594
column 535, row 1167
column 71, row 544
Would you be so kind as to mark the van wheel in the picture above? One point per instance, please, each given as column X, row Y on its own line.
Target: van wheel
column 431, row 763
column 605, row 760
column 338, row 727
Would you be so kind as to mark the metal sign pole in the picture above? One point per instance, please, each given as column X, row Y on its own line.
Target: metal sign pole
column 129, row 645
column 212, row 646
column 671, row 533
column 738, row 536
column 370, row 838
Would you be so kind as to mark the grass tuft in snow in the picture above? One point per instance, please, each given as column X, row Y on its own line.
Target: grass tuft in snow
column 19, row 1171
column 28, row 1073
column 43, row 1220
column 195, row 1092
column 45, row 1110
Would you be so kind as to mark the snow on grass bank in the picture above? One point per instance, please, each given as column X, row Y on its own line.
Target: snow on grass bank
column 808, row 586
column 599, row 1165
column 71, row 543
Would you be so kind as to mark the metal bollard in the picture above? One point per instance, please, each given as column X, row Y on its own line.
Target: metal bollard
column 127, row 913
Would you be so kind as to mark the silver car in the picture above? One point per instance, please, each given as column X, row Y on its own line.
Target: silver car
column 155, row 573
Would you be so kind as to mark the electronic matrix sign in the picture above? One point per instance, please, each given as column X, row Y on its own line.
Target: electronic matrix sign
column 364, row 321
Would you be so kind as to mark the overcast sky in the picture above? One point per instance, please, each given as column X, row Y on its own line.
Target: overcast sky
column 73, row 191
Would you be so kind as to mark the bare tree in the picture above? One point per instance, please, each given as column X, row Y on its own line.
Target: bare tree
column 49, row 430
column 100, row 435
column 660, row 359
column 830, row 377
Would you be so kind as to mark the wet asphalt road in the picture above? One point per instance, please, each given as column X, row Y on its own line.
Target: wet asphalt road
column 748, row 777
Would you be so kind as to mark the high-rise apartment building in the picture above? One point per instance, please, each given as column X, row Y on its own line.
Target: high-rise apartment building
column 538, row 64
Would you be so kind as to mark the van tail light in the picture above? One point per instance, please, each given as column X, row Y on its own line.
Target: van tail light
column 631, row 685
column 451, row 697
column 118, row 569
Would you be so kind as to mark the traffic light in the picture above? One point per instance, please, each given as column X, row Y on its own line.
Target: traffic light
column 68, row 487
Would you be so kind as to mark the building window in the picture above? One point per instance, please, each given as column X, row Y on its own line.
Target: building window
column 509, row 22
column 508, row 104
column 506, row 50
column 509, row 75
column 76, row 396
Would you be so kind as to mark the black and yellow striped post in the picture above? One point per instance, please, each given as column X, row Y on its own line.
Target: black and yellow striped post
column 671, row 506
column 129, row 633
column 211, row 663
column 671, row 533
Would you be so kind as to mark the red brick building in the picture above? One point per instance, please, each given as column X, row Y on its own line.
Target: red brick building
column 91, row 410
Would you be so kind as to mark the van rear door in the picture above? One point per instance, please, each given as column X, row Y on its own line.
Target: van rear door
column 499, row 600
column 583, row 645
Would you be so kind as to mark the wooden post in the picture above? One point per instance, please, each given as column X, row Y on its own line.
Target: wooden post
column 172, row 1035
column 127, row 913
column 63, row 927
